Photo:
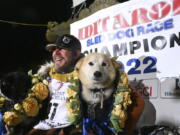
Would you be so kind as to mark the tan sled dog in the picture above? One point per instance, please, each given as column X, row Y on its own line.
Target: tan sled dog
column 97, row 73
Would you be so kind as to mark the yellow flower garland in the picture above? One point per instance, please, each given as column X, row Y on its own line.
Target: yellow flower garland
column 73, row 101
column 30, row 106
column 122, row 99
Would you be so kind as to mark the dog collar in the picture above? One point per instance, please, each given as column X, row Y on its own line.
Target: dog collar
column 101, row 91
column 98, row 90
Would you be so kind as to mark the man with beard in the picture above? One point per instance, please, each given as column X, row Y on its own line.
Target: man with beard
column 66, row 51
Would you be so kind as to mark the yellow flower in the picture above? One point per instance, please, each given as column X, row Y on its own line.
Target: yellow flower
column 2, row 101
column 118, row 106
column 18, row 107
column 116, row 111
column 30, row 106
column 71, row 93
column 70, row 111
column 45, row 82
column 73, row 100
column 12, row 118
column 41, row 91
column 127, row 99
column 35, row 80
column 124, row 78
column 31, row 94
column 123, row 118
column 76, row 77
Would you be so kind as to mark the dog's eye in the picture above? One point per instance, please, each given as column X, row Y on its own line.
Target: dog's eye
column 91, row 64
column 104, row 64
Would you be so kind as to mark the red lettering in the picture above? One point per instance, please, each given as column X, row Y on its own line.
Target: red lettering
column 80, row 34
column 120, row 22
column 88, row 31
column 139, row 16
column 96, row 25
column 176, row 7
column 104, row 24
column 150, row 91
column 147, row 91
column 159, row 10
column 94, row 29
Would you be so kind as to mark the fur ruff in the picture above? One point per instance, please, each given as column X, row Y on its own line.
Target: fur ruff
column 44, row 69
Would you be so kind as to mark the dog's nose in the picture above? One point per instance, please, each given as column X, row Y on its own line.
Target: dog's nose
column 97, row 74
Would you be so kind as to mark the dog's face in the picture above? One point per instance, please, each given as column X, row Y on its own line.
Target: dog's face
column 96, row 71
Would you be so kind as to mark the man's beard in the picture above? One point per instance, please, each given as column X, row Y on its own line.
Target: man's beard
column 65, row 69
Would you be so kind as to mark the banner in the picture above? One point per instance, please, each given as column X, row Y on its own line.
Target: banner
column 145, row 36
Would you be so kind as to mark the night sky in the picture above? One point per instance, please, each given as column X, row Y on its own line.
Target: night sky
column 22, row 47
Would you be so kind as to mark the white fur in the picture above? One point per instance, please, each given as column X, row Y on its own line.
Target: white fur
column 87, row 67
column 43, row 71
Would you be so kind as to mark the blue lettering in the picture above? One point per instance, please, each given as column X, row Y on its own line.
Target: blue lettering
column 89, row 42
column 158, row 28
column 129, row 33
column 140, row 30
column 155, row 27
column 168, row 24
column 149, row 28
column 120, row 34
column 95, row 40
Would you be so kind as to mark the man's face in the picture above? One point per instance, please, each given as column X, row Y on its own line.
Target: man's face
column 63, row 59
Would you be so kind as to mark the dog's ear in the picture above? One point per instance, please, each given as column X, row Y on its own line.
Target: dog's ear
column 78, row 64
column 116, row 64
